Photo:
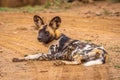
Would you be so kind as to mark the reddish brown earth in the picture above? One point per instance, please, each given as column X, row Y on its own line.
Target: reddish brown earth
column 18, row 37
column 18, row 3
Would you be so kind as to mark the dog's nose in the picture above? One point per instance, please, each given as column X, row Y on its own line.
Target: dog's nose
column 39, row 38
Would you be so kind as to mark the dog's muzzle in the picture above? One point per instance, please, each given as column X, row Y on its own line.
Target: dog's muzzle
column 39, row 39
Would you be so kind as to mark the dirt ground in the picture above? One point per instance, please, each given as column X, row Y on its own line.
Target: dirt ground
column 18, row 37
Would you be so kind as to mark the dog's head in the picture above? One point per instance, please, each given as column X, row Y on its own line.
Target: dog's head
column 47, row 32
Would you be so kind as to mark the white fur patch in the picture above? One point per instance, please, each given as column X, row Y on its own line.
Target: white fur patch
column 93, row 62
column 87, row 47
column 35, row 56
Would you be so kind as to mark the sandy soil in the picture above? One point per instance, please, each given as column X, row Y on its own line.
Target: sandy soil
column 18, row 37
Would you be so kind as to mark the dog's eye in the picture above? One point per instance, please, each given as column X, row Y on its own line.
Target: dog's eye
column 47, row 33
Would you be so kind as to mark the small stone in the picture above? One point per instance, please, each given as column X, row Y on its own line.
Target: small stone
column 87, row 12
column 1, row 50
column 1, row 23
column 91, row 1
column 98, row 14
column 15, row 32
column 116, row 13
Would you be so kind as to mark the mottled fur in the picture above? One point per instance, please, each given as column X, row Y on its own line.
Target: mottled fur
column 63, row 48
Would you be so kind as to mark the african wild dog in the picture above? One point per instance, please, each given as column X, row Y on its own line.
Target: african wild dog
column 63, row 48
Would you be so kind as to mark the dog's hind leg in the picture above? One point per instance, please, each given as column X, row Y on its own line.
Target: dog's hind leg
column 76, row 60
column 38, row 56
column 66, row 63
column 96, row 56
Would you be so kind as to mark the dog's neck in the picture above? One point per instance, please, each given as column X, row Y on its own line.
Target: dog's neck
column 54, row 41
column 61, row 42
column 57, row 35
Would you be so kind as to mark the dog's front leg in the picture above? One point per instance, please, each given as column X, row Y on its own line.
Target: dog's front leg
column 38, row 56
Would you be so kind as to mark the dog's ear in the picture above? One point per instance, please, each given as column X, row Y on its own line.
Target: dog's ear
column 55, row 23
column 38, row 21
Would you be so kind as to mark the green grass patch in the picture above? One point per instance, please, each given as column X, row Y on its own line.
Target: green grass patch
column 117, row 66
column 6, row 9
column 106, row 12
column 31, row 8
column 88, row 40
column 113, row 0
column 28, row 8
column 56, row 5
column 47, row 4
column 116, row 48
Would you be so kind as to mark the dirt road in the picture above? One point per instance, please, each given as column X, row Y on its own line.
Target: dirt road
column 18, row 37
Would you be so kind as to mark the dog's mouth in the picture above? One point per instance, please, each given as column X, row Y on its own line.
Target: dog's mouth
column 39, row 40
column 47, row 40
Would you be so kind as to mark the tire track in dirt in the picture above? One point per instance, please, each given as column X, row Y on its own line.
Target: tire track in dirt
column 101, row 72
column 18, row 69
column 26, row 41
column 17, row 39
column 7, row 43
column 96, row 73
column 18, row 44
column 36, row 71
column 55, row 73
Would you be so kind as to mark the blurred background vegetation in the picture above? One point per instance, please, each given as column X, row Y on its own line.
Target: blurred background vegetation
column 19, row 3
column 38, row 5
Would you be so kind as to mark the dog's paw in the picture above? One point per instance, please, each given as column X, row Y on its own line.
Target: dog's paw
column 58, row 63
column 15, row 60
column 25, row 55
